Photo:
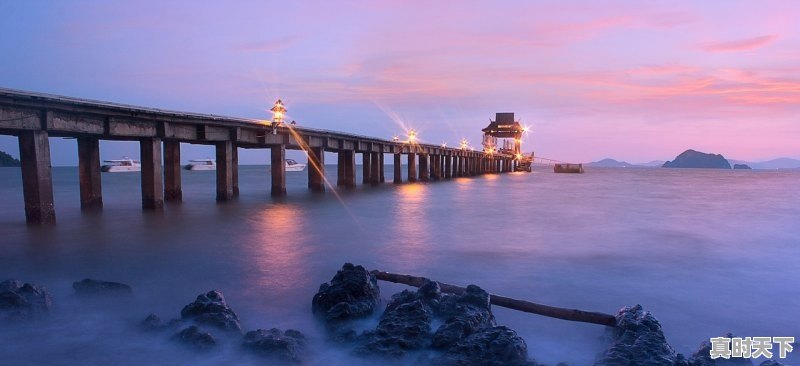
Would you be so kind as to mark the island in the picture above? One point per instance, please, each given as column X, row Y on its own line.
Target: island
column 741, row 166
column 695, row 159
column 611, row 163
column 8, row 160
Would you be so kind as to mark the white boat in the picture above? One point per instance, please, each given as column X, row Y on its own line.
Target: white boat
column 121, row 165
column 202, row 164
column 293, row 166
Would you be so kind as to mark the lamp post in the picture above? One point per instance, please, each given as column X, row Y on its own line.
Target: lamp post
column 278, row 112
column 412, row 136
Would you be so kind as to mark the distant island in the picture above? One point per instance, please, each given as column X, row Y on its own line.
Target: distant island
column 695, row 159
column 741, row 166
column 8, row 160
column 611, row 163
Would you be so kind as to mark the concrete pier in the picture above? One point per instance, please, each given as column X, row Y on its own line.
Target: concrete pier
column 412, row 167
column 173, row 192
column 349, row 168
column 224, row 170
column 424, row 171
column 278, row 167
column 37, row 182
column 316, row 169
column 89, row 173
column 448, row 166
column 366, row 167
column 382, row 168
column 152, row 183
column 398, row 169
column 235, row 170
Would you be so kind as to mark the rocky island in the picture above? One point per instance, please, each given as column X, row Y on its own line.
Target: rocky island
column 695, row 159
column 7, row 160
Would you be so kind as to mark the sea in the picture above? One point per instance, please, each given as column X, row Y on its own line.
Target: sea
column 706, row 251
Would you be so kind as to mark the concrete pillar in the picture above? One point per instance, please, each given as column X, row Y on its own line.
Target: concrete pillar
column 424, row 171
column 340, row 162
column 278, row 166
column 382, row 167
column 152, row 182
column 366, row 167
column 89, row 172
column 173, row 190
column 412, row 167
column 448, row 166
column 375, row 169
column 224, row 170
column 398, row 169
column 457, row 165
column 37, row 180
column 316, row 169
column 434, row 166
column 235, row 170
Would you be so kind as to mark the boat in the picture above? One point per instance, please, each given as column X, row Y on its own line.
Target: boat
column 202, row 164
column 568, row 168
column 121, row 165
column 291, row 165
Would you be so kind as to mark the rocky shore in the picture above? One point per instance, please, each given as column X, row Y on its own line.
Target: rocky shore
column 425, row 326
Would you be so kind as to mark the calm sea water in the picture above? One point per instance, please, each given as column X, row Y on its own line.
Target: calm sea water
column 706, row 251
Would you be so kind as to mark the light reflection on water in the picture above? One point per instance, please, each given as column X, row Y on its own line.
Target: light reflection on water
column 706, row 251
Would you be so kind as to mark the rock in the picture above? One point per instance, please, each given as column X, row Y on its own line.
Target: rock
column 194, row 337
column 154, row 323
column 210, row 308
column 741, row 166
column 695, row 159
column 638, row 340
column 285, row 346
column 22, row 301
column 466, row 314
column 90, row 287
column 404, row 327
column 490, row 346
column 352, row 293
column 702, row 357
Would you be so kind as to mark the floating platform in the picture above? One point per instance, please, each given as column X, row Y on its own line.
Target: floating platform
column 568, row 168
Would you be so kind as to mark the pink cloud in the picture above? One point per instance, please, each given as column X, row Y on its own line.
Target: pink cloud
column 738, row 45
column 267, row 46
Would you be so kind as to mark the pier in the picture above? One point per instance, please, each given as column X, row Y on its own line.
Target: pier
column 34, row 117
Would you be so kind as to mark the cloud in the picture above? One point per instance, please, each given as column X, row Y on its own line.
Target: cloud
column 738, row 45
column 267, row 46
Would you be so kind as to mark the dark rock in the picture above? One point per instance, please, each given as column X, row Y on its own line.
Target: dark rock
column 702, row 357
column 194, row 337
column 402, row 328
column 22, row 301
column 638, row 340
column 90, row 287
column 154, row 323
column 210, row 308
column 466, row 314
column 695, row 159
column 285, row 346
column 352, row 293
column 489, row 346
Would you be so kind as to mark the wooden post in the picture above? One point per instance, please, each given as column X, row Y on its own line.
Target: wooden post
column 89, row 173
column 173, row 192
column 278, row 167
column 507, row 302
column 37, row 180
column 366, row 167
column 316, row 169
column 448, row 166
column 382, row 167
column 375, row 172
column 424, row 171
column 349, row 168
column 224, row 170
column 235, row 170
column 412, row 167
column 398, row 169
column 152, row 182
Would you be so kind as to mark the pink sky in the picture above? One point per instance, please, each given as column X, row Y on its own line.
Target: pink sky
column 631, row 80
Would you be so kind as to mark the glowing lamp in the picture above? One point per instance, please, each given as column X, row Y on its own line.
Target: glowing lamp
column 395, row 139
column 412, row 135
column 464, row 144
column 278, row 112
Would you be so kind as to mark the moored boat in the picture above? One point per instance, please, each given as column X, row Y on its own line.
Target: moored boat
column 293, row 166
column 202, row 164
column 121, row 165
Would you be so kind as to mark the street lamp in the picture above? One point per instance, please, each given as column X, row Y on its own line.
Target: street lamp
column 412, row 135
column 464, row 144
column 278, row 111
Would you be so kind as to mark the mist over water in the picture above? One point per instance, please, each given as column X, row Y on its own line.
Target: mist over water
column 707, row 251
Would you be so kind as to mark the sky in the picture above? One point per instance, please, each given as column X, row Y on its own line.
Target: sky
column 631, row 80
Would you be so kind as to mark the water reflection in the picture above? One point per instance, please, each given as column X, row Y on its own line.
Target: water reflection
column 278, row 247
column 412, row 232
